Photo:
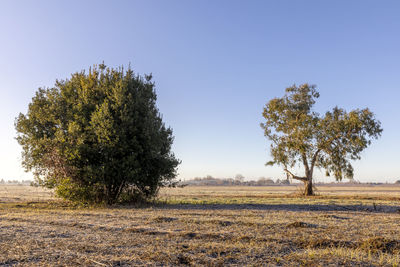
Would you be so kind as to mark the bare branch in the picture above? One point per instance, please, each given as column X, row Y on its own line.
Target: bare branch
column 303, row 179
column 314, row 159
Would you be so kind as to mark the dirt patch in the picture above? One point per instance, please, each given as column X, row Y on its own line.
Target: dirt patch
column 146, row 231
column 190, row 235
column 299, row 224
column 331, row 216
column 184, row 259
column 208, row 236
column 162, row 219
column 220, row 222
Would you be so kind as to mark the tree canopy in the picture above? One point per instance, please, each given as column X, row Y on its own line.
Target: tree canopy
column 299, row 135
column 98, row 137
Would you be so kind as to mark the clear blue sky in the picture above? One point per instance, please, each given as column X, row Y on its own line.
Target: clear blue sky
column 215, row 64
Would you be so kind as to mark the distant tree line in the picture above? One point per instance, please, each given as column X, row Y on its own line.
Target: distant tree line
column 2, row 181
column 263, row 181
column 237, row 180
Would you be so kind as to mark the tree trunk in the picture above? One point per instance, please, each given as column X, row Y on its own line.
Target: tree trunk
column 308, row 187
column 307, row 180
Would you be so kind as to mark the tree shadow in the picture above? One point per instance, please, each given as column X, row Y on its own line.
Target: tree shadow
column 285, row 207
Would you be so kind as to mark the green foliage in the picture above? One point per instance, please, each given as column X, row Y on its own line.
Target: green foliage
column 299, row 135
column 96, row 136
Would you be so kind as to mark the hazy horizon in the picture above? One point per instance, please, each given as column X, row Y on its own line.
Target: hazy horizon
column 215, row 65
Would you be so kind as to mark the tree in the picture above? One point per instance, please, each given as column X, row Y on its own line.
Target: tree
column 299, row 135
column 265, row 181
column 239, row 178
column 98, row 137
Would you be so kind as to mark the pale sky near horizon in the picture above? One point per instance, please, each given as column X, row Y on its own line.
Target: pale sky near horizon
column 215, row 65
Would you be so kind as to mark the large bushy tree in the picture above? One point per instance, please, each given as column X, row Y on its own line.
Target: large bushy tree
column 98, row 137
column 300, row 135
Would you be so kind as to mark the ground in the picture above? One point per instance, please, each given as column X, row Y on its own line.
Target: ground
column 213, row 226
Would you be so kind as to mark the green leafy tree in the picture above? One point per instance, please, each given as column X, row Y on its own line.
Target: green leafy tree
column 98, row 137
column 300, row 136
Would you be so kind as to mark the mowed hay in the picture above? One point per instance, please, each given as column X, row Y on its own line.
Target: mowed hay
column 280, row 232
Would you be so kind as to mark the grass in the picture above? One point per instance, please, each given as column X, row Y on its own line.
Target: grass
column 211, row 226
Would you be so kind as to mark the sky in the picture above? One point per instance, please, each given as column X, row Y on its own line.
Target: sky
column 215, row 65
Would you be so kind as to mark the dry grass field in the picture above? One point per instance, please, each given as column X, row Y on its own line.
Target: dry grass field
column 212, row 226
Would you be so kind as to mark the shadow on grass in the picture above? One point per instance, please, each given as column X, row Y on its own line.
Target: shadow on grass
column 284, row 207
column 372, row 208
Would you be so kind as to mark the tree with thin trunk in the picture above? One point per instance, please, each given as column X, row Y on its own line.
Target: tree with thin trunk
column 301, row 136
